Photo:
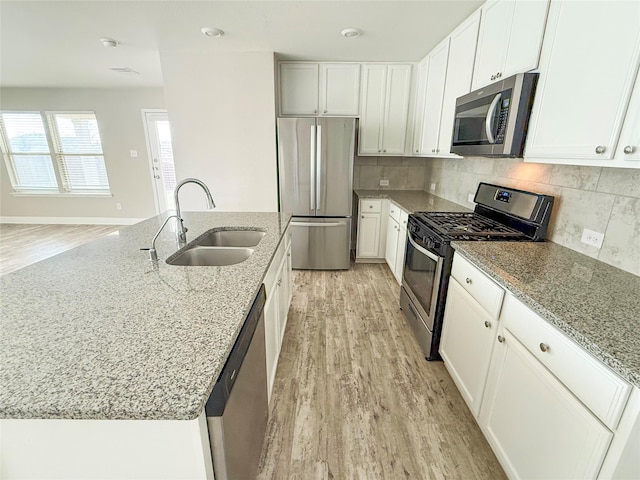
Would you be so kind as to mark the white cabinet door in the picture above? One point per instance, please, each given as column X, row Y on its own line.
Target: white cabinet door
column 400, row 251
column 492, row 41
column 433, row 97
column 340, row 89
column 396, row 109
column 418, row 114
column 299, row 88
column 509, row 40
column 536, row 427
column 272, row 336
column 466, row 344
column 283, row 300
column 368, row 234
column 628, row 151
column 462, row 50
column 589, row 59
column 374, row 86
column 392, row 243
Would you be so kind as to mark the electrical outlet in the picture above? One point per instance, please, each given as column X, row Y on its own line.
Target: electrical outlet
column 592, row 238
column 118, row 206
column 133, row 153
column 433, row 187
column 384, row 183
column 470, row 197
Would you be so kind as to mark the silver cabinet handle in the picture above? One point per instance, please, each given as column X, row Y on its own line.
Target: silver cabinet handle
column 500, row 338
column 629, row 149
column 468, row 280
column 600, row 149
column 544, row 347
column 487, row 324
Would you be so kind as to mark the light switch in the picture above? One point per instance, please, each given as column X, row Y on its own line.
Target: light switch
column 133, row 153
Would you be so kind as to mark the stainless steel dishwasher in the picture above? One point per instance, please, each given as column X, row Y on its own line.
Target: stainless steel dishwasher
column 237, row 409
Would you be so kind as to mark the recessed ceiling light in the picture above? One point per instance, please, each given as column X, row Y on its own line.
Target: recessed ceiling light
column 212, row 32
column 109, row 42
column 351, row 32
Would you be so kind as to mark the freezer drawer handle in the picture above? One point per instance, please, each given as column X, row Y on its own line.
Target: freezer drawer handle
column 310, row 224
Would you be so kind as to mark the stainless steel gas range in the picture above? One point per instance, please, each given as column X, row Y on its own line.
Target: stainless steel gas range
column 501, row 214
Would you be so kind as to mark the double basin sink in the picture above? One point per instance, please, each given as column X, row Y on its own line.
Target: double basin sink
column 218, row 248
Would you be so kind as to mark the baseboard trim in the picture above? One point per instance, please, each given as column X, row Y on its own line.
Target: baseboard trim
column 71, row 220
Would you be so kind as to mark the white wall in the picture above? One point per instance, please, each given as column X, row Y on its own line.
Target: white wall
column 119, row 116
column 222, row 113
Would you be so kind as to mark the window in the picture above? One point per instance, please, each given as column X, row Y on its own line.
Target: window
column 63, row 155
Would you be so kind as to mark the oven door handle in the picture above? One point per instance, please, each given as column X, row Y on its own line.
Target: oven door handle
column 426, row 252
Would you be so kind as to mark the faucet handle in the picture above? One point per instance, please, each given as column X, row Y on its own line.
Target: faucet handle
column 153, row 254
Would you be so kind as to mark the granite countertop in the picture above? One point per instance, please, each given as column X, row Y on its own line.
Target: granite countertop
column 414, row 200
column 595, row 304
column 98, row 332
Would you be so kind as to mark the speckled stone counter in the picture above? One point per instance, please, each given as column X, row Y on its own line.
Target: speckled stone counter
column 595, row 304
column 98, row 332
column 413, row 200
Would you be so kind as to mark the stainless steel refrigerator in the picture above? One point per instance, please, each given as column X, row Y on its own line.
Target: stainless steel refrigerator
column 315, row 170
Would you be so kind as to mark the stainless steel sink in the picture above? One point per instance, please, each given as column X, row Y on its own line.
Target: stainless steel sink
column 201, row 256
column 230, row 238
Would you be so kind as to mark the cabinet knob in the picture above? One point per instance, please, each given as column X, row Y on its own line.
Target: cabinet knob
column 544, row 347
column 279, row 281
column 384, row 151
column 315, row 111
column 379, row 150
column 600, row 149
column 157, row 177
column 629, row 149
column 468, row 280
column 499, row 75
column 493, row 77
column 324, row 111
column 370, row 206
column 500, row 338
column 433, row 150
column 416, row 150
column 362, row 216
column 487, row 324
column 437, row 150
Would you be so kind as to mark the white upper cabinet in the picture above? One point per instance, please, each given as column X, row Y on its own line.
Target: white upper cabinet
column 434, row 69
column 462, row 50
column 628, row 151
column 299, row 88
column 588, row 66
column 509, row 41
column 331, row 89
column 385, row 104
column 340, row 89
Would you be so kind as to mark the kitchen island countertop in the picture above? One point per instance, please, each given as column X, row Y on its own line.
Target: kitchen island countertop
column 595, row 304
column 99, row 332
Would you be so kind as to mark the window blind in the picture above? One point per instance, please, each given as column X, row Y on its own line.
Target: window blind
column 26, row 151
column 76, row 140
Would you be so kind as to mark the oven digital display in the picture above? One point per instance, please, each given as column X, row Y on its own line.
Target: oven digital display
column 503, row 196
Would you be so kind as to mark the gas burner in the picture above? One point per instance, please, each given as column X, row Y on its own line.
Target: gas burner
column 467, row 226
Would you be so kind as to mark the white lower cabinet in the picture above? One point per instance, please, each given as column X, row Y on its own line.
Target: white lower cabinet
column 278, row 284
column 371, row 238
column 396, row 240
column 537, row 428
column 548, row 408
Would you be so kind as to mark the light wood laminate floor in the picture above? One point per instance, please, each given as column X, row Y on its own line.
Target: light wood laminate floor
column 355, row 399
column 22, row 245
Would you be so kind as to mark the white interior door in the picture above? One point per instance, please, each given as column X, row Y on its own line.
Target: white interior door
column 163, row 174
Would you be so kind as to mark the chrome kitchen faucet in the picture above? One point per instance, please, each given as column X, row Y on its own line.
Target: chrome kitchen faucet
column 182, row 230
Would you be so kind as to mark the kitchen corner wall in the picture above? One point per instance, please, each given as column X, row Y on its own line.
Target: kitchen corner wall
column 605, row 200
column 403, row 173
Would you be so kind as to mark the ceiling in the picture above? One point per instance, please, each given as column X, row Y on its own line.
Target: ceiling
column 55, row 43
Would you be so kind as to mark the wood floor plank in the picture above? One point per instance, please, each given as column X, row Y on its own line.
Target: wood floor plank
column 355, row 399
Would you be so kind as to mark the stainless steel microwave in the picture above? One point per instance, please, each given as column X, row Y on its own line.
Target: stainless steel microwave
column 493, row 121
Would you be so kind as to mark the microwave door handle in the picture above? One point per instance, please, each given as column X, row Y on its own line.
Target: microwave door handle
column 432, row 256
column 490, row 113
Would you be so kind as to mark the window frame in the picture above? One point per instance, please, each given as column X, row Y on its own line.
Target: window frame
column 56, row 158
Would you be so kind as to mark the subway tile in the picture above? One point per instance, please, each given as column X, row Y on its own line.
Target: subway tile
column 370, row 177
column 397, row 176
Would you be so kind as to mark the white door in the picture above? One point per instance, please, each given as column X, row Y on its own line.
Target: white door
column 161, row 156
column 392, row 243
column 492, row 41
column 525, row 40
column 462, row 50
column 433, row 97
column 396, row 109
column 299, row 88
column 588, row 63
column 373, row 95
column 340, row 89
column 368, row 234
column 628, row 150
column 536, row 427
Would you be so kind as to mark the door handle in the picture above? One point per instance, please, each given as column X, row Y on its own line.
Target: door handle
column 318, row 163
column 487, row 122
column 432, row 256
column 318, row 224
column 312, row 181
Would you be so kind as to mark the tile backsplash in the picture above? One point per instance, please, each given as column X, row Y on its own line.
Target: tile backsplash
column 606, row 200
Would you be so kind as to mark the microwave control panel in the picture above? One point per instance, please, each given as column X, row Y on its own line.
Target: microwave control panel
column 502, row 120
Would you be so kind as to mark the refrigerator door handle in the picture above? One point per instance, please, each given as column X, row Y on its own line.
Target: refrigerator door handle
column 312, row 181
column 318, row 166
column 311, row 224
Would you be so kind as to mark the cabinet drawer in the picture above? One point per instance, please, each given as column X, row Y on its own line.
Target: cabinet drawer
column 394, row 211
column 600, row 389
column 370, row 206
column 484, row 290
column 404, row 218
